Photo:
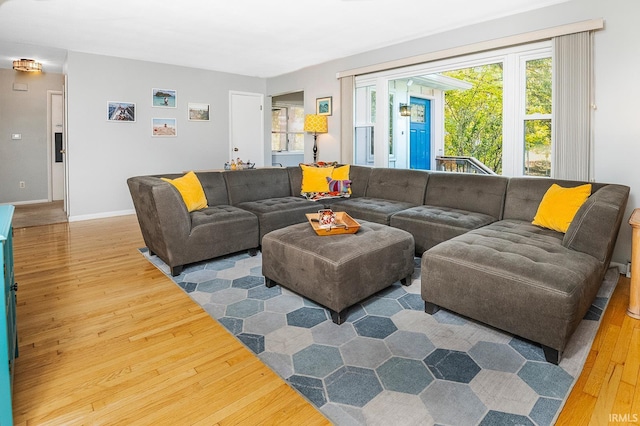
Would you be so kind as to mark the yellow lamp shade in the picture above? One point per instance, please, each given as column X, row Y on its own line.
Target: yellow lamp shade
column 315, row 123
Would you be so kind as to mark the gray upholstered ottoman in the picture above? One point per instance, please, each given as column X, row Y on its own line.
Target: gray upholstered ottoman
column 337, row 271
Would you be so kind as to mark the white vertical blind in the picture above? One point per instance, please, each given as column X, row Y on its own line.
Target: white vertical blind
column 572, row 92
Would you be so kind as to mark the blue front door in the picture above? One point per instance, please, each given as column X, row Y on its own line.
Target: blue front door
column 420, row 134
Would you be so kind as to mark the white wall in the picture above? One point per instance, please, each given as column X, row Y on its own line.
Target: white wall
column 103, row 154
column 617, row 71
column 25, row 112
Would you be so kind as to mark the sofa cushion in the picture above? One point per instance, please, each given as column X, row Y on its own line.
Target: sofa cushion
column 406, row 186
column 591, row 229
column 256, row 184
column 431, row 225
column 214, row 187
column 525, row 193
column 470, row 192
column 276, row 213
column 559, row 205
column 372, row 209
column 191, row 191
column 514, row 276
column 359, row 177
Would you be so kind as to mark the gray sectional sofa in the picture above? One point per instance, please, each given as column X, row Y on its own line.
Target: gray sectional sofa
column 481, row 256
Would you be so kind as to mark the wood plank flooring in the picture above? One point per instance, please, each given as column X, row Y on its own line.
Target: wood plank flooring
column 106, row 338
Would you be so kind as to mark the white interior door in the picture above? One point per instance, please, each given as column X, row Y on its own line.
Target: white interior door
column 246, row 127
column 58, row 146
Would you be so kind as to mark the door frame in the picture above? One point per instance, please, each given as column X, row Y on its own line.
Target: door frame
column 50, row 143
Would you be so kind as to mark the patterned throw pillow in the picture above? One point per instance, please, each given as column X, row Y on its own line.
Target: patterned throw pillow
column 339, row 186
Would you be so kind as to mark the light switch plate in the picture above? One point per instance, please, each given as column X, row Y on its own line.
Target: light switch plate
column 16, row 136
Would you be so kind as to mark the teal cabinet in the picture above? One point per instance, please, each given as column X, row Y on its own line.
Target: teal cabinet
column 8, row 332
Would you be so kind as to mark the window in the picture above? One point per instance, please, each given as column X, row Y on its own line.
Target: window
column 287, row 128
column 493, row 108
column 537, row 117
column 365, row 118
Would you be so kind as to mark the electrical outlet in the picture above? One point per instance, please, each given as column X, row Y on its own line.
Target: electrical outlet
column 22, row 184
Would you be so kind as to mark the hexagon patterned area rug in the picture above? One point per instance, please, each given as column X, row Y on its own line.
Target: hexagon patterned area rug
column 390, row 363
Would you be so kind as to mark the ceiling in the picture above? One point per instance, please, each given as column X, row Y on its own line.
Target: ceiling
column 249, row 37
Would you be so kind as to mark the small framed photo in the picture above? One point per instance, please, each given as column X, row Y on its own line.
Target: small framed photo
column 121, row 111
column 164, row 98
column 164, row 127
column 324, row 106
column 198, row 112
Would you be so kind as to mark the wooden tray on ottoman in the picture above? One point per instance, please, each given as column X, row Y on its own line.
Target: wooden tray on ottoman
column 345, row 224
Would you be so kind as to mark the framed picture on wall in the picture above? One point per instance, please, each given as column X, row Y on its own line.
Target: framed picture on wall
column 198, row 112
column 164, row 98
column 324, row 106
column 121, row 111
column 164, row 127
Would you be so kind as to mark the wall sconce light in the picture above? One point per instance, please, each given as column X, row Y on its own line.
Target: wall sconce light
column 27, row 65
column 316, row 124
column 405, row 110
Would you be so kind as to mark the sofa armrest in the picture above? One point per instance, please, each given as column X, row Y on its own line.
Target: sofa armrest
column 595, row 227
column 163, row 217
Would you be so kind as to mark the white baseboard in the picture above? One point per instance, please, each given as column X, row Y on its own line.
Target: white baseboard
column 622, row 268
column 79, row 218
column 15, row 203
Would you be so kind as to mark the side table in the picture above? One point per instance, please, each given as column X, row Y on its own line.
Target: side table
column 634, row 296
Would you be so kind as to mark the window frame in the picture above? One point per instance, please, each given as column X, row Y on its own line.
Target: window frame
column 287, row 106
column 514, row 90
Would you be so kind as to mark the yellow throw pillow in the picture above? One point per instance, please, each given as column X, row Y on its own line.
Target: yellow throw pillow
column 341, row 173
column 190, row 188
column 559, row 206
column 314, row 179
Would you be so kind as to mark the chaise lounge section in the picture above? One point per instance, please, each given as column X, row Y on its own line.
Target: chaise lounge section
column 530, row 281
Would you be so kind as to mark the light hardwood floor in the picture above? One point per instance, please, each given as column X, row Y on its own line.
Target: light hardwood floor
column 106, row 338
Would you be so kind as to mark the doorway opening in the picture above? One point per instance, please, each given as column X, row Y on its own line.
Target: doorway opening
column 287, row 129
column 56, row 148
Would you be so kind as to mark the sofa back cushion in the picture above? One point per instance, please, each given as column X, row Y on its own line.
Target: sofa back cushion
column 525, row 193
column 595, row 226
column 475, row 193
column 398, row 185
column 295, row 180
column 214, row 188
column 359, row 177
column 256, row 184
